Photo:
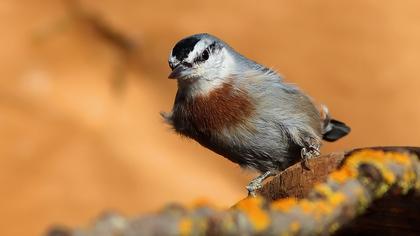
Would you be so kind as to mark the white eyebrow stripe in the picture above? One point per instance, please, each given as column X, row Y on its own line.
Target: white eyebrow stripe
column 198, row 48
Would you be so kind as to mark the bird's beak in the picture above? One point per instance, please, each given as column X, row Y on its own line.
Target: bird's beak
column 179, row 71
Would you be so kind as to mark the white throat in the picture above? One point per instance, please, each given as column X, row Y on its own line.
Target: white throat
column 200, row 87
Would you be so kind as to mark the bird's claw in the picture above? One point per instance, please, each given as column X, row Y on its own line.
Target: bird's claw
column 253, row 186
column 309, row 153
column 257, row 183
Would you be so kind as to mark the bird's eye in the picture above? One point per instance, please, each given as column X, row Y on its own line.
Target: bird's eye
column 203, row 57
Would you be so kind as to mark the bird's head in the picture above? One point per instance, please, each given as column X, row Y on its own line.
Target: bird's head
column 202, row 61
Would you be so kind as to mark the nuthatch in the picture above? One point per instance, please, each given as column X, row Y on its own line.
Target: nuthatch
column 243, row 110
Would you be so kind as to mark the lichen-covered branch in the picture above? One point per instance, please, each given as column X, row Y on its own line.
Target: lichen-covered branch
column 364, row 176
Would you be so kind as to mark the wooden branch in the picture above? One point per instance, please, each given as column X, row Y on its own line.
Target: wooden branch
column 363, row 176
column 298, row 180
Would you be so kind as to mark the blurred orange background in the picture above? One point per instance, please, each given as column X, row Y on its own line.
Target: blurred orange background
column 82, row 84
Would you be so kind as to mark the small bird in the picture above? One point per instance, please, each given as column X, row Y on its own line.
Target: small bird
column 243, row 110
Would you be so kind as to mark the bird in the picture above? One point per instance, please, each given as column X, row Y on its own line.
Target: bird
column 243, row 110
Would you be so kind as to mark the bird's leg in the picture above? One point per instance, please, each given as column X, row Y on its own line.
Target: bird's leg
column 256, row 183
column 309, row 152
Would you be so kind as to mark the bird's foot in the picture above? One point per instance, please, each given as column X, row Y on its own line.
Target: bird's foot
column 308, row 153
column 253, row 186
column 256, row 183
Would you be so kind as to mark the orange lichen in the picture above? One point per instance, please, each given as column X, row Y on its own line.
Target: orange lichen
column 401, row 158
column 322, row 209
column 284, row 204
column 252, row 207
column 250, row 202
column 343, row 175
column 337, row 199
column 379, row 157
column 306, row 205
column 379, row 160
column 185, row 226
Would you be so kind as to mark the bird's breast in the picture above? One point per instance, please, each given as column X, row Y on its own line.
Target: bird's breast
column 223, row 107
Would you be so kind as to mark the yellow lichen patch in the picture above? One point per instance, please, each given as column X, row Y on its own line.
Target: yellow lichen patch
column 250, row 202
column 252, row 207
column 326, row 206
column 381, row 190
column 363, row 203
column 379, row 159
column 344, row 174
column 368, row 154
column 389, row 177
column 409, row 178
column 401, row 158
column 387, row 174
column 323, row 189
column 185, row 226
column 365, row 156
column 337, row 199
column 284, row 204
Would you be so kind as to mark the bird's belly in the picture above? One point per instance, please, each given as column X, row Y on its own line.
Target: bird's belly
column 256, row 151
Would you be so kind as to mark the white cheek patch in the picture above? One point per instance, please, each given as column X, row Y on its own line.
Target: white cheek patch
column 219, row 66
